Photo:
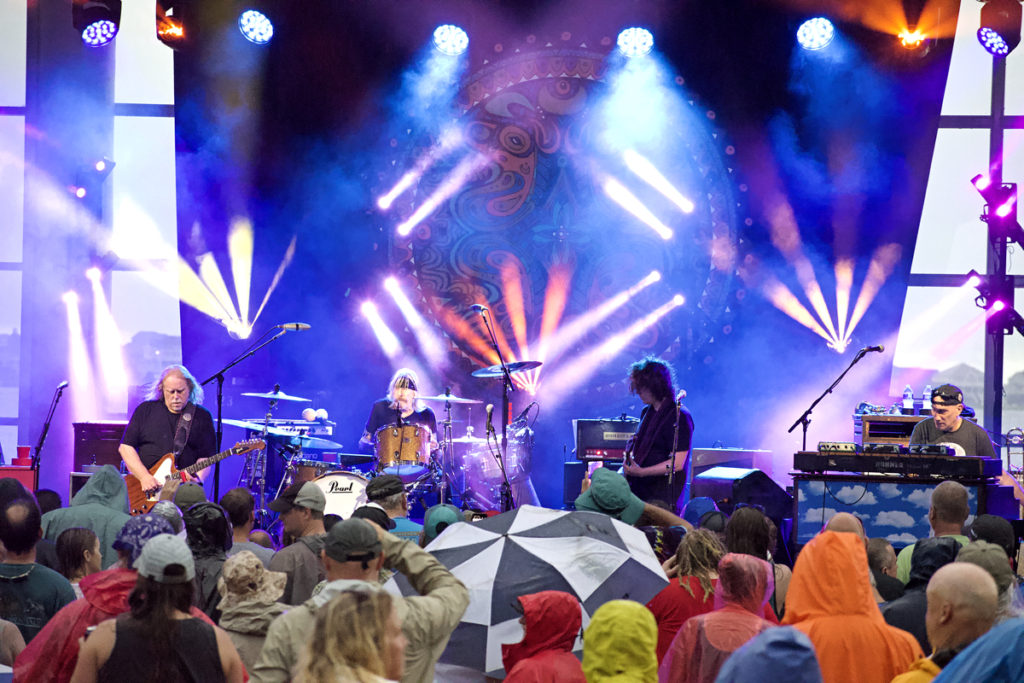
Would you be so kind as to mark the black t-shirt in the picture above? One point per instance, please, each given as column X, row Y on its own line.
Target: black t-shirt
column 969, row 439
column 151, row 432
column 383, row 415
column 665, row 425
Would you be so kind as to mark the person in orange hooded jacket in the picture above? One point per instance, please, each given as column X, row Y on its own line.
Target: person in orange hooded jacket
column 551, row 621
column 830, row 600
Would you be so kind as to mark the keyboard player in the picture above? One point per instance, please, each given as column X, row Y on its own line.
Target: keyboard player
column 947, row 427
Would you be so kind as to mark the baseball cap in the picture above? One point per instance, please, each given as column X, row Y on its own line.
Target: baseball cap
column 374, row 513
column 304, row 494
column 947, row 395
column 188, row 494
column 994, row 530
column 383, row 486
column 352, row 540
column 991, row 558
column 438, row 518
column 166, row 559
column 609, row 493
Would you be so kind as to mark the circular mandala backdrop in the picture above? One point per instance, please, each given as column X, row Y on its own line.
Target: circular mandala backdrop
column 535, row 218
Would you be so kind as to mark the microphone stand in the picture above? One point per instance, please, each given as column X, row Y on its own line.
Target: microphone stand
column 219, row 376
column 46, row 429
column 805, row 419
column 507, row 502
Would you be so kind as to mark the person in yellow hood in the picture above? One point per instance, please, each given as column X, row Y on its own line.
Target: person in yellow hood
column 619, row 644
column 830, row 600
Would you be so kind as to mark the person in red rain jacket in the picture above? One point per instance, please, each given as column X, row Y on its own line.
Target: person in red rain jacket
column 551, row 621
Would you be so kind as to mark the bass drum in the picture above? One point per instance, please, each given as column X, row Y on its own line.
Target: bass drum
column 483, row 478
column 344, row 491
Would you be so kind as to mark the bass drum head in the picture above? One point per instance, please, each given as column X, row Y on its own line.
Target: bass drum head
column 344, row 491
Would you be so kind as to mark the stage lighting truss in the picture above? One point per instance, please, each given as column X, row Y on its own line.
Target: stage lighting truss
column 97, row 20
column 256, row 26
column 1000, row 211
column 996, row 298
column 816, row 34
column 450, row 39
column 635, row 41
column 1000, row 28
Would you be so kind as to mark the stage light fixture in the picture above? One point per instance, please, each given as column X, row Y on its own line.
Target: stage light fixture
column 256, row 26
column 70, row 297
column 93, row 274
column 999, row 32
column 79, row 191
column 450, row 39
column 635, row 41
column 97, row 20
column 816, row 33
column 911, row 39
column 981, row 182
column 170, row 23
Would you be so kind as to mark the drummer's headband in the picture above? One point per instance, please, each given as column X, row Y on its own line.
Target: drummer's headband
column 405, row 382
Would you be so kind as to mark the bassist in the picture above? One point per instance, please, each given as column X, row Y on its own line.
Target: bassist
column 170, row 422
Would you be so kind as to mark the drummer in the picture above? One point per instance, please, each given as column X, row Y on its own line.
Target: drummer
column 400, row 406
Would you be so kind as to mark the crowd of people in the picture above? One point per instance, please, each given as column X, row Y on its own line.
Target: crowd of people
column 228, row 604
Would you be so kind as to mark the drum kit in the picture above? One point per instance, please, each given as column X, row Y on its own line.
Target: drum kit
column 465, row 470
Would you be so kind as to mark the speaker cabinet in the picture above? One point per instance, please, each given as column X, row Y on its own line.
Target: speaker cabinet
column 729, row 486
column 96, row 443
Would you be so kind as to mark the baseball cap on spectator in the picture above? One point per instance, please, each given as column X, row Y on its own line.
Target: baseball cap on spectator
column 166, row 559
column 137, row 530
column 994, row 530
column 171, row 513
column 609, row 493
column 383, row 486
column 300, row 494
column 374, row 513
column 188, row 494
column 991, row 558
column 352, row 540
column 438, row 518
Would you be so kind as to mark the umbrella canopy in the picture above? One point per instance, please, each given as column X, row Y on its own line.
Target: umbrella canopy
column 531, row 549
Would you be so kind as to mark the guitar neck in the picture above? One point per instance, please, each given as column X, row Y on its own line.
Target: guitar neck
column 206, row 462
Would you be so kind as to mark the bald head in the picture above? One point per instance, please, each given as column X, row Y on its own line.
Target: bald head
column 847, row 523
column 962, row 604
column 949, row 508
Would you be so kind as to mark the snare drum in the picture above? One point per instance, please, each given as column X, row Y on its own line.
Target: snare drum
column 403, row 451
column 344, row 491
column 308, row 470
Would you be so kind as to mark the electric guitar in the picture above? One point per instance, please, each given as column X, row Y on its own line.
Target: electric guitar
column 140, row 502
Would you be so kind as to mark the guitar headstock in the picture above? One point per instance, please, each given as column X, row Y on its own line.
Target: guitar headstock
column 249, row 446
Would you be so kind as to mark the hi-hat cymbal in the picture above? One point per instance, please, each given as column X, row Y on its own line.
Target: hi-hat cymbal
column 275, row 396
column 469, row 439
column 513, row 368
column 451, row 398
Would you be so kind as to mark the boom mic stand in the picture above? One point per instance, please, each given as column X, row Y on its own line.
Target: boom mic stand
column 507, row 502
column 805, row 419
column 46, row 428
column 219, row 376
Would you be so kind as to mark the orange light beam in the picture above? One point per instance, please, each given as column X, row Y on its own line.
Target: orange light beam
column 844, row 284
column 883, row 261
column 512, row 288
column 786, row 301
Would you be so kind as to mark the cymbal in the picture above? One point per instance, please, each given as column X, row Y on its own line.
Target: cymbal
column 314, row 443
column 513, row 368
column 451, row 398
column 469, row 439
column 275, row 396
column 255, row 427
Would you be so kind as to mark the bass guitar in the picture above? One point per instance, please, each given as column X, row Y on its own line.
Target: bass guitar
column 141, row 501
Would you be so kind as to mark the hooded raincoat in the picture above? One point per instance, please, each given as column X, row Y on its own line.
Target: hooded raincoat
column 619, row 644
column 544, row 655
column 704, row 642
column 995, row 657
column 51, row 655
column 208, row 533
column 907, row 611
column 830, row 600
column 101, row 505
column 778, row 654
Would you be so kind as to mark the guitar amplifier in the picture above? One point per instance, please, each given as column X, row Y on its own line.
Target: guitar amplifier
column 603, row 439
column 96, row 443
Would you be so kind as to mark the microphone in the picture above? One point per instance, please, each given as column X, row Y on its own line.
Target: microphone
column 479, row 308
column 680, row 395
column 294, row 327
column 62, row 385
column 869, row 349
column 490, row 414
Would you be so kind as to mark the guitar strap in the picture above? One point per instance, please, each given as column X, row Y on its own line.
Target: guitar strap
column 184, row 428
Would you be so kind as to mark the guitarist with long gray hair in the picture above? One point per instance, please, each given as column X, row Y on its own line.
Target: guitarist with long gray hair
column 171, row 421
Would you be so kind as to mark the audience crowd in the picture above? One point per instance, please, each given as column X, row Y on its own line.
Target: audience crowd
column 191, row 591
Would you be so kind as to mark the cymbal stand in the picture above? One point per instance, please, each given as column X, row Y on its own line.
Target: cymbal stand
column 507, row 502
column 258, row 481
column 447, row 449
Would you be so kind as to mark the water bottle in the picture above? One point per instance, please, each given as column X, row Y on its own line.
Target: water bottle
column 908, row 401
column 926, row 400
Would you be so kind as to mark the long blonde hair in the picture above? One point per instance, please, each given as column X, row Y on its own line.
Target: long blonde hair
column 195, row 390
column 698, row 555
column 348, row 639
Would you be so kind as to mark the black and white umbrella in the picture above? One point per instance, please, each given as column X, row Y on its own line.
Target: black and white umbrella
column 531, row 549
